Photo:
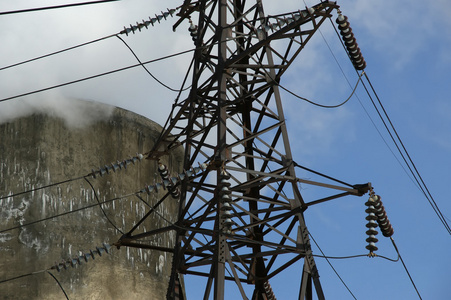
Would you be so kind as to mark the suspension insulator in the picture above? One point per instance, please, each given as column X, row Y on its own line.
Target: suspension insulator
column 225, row 202
column 371, row 225
column 224, row 186
column 350, row 42
column 193, row 31
column 170, row 182
column 382, row 220
column 268, row 291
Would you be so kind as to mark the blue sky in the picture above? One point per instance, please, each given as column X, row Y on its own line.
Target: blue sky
column 406, row 46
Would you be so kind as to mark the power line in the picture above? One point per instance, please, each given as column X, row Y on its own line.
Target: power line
column 66, row 213
column 322, row 105
column 96, row 76
column 405, row 267
column 101, row 171
column 101, row 208
column 357, row 256
column 147, row 70
column 126, row 31
column 409, row 162
column 148, row 189
column 21, row 276
column 59, row 284
column 330, row 264
column 43, row 187
column 358, row 98
column 56, row 52
column 54, row 7
column 415, row 173
column 71, row 262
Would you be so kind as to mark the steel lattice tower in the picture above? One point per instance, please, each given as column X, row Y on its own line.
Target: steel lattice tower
column 240, row 220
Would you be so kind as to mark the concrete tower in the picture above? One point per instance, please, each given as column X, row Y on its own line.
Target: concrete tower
column 42, row 149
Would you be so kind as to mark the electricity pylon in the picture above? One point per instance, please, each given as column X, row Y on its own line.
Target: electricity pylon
column 240, row 220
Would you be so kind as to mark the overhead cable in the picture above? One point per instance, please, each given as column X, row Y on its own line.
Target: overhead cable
column 322, row 105
column 405, row 267
column 54, row 7
column 107, row 169
column 147, row 70
column 22, row 276
column 397, row 141
column 41, row 187
column 357, row 256
column 358, row 98
column 125, row 31
column 148, row 189
column 405, row 154
column 101, row 208
column 56, row 52
column 96, row 76
column 59, row 284
column 65, row 213
column 65, row 264
column 330, row 264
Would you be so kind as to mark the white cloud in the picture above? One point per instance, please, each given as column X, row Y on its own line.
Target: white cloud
column 75, row 113
column 43, row 32
column 398, row 30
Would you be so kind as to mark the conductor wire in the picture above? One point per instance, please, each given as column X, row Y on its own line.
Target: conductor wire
column 101, row 208
column 330, row 264
column 397, row 142
column 95, row 76
column 56, row 52
column 405, row 267
column 42, row 187
column 54, row 7
column 57, row 281
column 21, row 276
column 65, row 213
column 322, row 105
column 147, row 70
column 412, row 167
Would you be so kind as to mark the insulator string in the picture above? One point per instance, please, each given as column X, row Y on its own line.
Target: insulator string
column 65, row 264
column 169, row 183
column 117, row 166
column 84, row 258
column 145, row 24
column 350, row 42
column 377, row 216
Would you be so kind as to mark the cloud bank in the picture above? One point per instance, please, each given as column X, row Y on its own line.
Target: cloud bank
column 75, row 113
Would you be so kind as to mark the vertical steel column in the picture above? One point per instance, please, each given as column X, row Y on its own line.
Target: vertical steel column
column 221, row 242
column 309, row 263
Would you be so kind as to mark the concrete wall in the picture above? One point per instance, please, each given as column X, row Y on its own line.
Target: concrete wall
column 40, row 150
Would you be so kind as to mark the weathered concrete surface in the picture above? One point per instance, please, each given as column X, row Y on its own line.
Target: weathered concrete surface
column 40, row 150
